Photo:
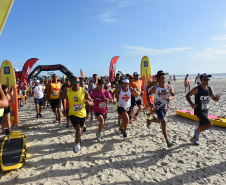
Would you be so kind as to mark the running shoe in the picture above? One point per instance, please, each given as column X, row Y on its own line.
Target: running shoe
column 148, row 124
column 37, row 115
column 124, row 134
column 76, row 148
column 67, row 125
column 99, row 137
column 60, row 125
column 170, row 144
column 40, row 115
column 84, row 128
column 194, row 141
column 196, row 135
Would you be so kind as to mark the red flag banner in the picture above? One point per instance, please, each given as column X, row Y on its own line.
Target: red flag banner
column 113, row 68
column 26, row 70
column 82, row 75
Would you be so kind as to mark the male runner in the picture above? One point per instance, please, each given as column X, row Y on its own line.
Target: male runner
column 136, row 100
column 92, row 87
column 202, row 95
column 38, row 93
column 53, row 90
column 101, row 97
column 197, row 79
column 162, row 97
column 77, row 98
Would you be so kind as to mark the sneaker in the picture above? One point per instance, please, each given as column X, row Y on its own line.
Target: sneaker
column 76, row 148
column 124, row 134
column 194, row 141
column 121, row 130
column 84, row 128
column 67, row 125
column 60, row 125
column 40, row 115
column 99, row 137
column 170, row 144
column 37, row 115
column 148, row 123
column 196, row 135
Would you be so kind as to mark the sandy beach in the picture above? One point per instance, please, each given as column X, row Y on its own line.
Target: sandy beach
column 142, row 158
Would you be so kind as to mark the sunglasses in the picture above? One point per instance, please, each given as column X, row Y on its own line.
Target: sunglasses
column 206, row 80
column 54, row 76
column 76, row 82
column 82, row 83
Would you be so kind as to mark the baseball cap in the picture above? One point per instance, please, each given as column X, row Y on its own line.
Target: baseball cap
column 100, row 81
column 135, row 74
column 117, row 74
column 131, row 77
column 37, row 81
column 205, row 75
column 126, row 81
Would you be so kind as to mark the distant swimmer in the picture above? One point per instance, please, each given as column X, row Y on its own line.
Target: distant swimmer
column 186, row 83
column 163, row 93
column 39, row 102
column 197, row 79
column 77, row 98
column 124, row 103
column 202, row 95
column 101, row 97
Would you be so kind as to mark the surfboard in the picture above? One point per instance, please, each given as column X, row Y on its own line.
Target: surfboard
column 13, row 151
column 8, row 78
column 146, row 74
column 216, row 120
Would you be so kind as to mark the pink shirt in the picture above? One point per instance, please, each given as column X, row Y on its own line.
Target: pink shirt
column 100, row 105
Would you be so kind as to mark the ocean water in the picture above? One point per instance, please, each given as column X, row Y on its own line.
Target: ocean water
column 193, row 76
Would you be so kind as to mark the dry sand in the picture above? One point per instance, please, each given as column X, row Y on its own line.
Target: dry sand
column 142, row 158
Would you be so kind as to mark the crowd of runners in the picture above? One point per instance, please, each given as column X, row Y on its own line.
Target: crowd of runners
column 82, row 98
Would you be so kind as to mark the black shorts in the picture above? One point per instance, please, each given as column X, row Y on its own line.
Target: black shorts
column 39, row 101
column 161, row 113
column 122, row 110
column 54, row 103
column 104, row 115
column 76, row 120
column 134, row 102
column 203, row 118
column 7, row 110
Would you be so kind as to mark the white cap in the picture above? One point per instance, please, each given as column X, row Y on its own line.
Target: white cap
column 126, row 81
column 37, row 81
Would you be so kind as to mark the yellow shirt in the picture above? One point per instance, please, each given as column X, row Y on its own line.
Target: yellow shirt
column 55, row 89
column 76, row 102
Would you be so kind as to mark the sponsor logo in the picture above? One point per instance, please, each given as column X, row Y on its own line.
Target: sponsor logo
column 6, row 70
column 145, row 63
column 76, row 99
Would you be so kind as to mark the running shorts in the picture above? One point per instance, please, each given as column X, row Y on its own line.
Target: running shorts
column 98, row 114
column 76, row 120
column 203, row 118
column 134, row 102
column 7, row 110
column 54, row 103
column 161, row 113
column 39, row 101
column 122, row 110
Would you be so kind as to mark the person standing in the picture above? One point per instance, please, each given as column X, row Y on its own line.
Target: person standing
column 186, row 83
column 202, row 95
column 163, row 94
column 197, row 79
column 38, row 93
column 77, row 98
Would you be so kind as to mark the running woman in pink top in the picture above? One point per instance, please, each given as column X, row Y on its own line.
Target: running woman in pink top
column 101, row 97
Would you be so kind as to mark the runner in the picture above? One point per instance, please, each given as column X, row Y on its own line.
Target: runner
column 197, row 79
column 3, row 99
column 53, row 90
column 92, row 87
column 202, row 95
column 124, row 103
column 101, row 97
column 107, row 85
column 136, row 99
column 162, row 97
column 186, row 83
column 77, row 112
column 38, row 93
column 24, row 92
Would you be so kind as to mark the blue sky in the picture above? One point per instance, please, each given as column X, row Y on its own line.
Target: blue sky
column 178, row 36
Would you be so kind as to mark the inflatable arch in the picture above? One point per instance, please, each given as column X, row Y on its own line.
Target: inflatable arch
column 40, row 68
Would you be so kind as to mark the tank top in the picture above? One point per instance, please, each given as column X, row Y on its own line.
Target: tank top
column 76, row 102
column 55, row 89
column 202, row 99
column 161, row 94
column 124, row 98
column 93, row 86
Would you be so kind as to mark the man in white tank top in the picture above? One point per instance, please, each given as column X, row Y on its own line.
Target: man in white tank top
column 93, row 87
column 124, row 103
column 163, row 94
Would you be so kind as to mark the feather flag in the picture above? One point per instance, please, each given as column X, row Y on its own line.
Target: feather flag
column 5, row 6
column 81, row 74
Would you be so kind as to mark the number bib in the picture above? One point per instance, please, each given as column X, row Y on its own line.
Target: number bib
column 204, row 106
column 55, row 93
column 102, row 105
column 77, row 107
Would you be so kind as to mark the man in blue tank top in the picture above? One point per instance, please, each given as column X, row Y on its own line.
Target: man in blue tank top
column 202, row 95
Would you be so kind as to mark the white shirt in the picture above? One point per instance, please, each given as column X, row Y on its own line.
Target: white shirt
column 124, row 98
column 38, row 90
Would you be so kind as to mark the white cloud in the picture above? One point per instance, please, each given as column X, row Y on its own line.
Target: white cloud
column 209, row 54
column 151, row 51
column 107, row 17
column 220, row 38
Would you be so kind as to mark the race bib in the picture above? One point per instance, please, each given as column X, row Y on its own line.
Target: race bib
column 77, row 107
column 137, row 98
column 55, row 93
column 204, row 106
column 102, row 105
